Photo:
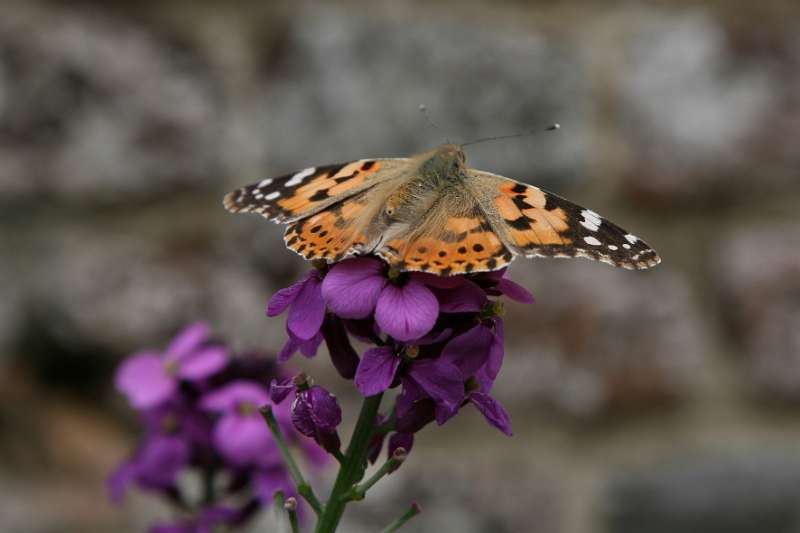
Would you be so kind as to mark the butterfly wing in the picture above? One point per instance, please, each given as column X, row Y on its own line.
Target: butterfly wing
column 454, row 236
column 536, row 223
column 306, row 192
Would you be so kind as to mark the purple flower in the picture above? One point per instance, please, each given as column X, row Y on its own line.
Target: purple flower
column 356, row 287
column 315, row 411
column 478, row 354
column 306, row 314
column 149, row 378
column 240, row 435
column 154, row 467
column 305, row 304
column 438, row 379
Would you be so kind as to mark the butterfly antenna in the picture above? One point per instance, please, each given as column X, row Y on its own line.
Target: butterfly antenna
column 551, row 127
column 424, row 110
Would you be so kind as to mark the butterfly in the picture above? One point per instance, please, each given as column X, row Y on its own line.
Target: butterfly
column 431, row 213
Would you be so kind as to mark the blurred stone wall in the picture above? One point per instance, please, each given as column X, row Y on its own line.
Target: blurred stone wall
column 642, row 402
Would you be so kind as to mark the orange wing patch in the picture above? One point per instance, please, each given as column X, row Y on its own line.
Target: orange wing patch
column 327, row 183
column 467, row 245
column 330, row 234
column 529, row 222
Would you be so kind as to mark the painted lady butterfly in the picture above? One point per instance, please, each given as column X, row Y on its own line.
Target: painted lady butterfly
column 431, row 213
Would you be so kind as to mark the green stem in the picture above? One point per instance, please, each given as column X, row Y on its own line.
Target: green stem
column 358, row 492
column 413, row 511
column 303, row 488
column 352, row 469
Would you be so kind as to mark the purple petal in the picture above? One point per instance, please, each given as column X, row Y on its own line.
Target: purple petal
column 187, row 340
column 492, row 410
column 467, row 298
column 414, row 409
column 352, row 287
column 243, row 440
column 231, row 396
column 469, row 351
column 324, row 408
column 144, row 380
column 203, row 363
column 441, row 282
column 496, row 351
column 284, row 297
column 309, row 348
column 119, row 481
column 407, row 312
column 515, row 291
column 400, row 440
column 440, row 379
column 446, row 411
column 307, row 310
column 302, row 419
column 279, row 390
column 434, row 337
column 376, row 370
column 343, row 356
column 160, row 460
column 289, row 348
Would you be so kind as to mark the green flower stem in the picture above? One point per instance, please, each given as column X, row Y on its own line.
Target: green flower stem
column 352, row 469
column 358, row 492
column 303, row 488
column 413, row 511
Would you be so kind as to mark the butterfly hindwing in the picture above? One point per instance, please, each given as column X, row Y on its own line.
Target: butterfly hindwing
column 537, row 223
column 455, row 237
column 333, row 233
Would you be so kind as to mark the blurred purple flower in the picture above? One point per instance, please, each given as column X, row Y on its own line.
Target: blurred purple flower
column 356, row 287
column 240, row 435
column 150, row 377
column 155, row 466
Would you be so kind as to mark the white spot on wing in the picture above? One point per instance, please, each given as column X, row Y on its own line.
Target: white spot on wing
column 591, row 220
column 626, row 246
column 592, row 241
column 613, row 247
column 298, row 178
column 272, row 195
column 631, row 238
column 264, row 183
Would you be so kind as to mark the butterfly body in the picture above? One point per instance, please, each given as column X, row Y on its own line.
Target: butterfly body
column 432, row 213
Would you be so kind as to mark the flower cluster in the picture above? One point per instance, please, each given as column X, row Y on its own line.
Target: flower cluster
column 438, row 339
column 200, row 410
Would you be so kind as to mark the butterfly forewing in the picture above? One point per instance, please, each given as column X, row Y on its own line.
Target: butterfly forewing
column 537, row 223
column 308, row 191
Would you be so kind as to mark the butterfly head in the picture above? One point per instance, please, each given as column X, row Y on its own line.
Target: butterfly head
column 446, row 160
